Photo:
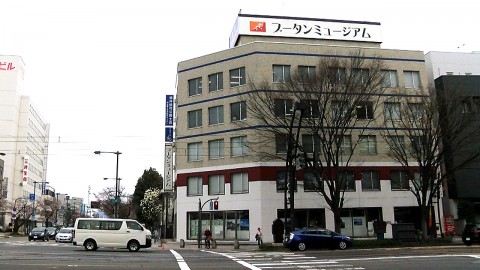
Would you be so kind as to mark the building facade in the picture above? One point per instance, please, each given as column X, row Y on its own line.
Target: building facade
column 23, row 140
column 458, row 73
column 216, row 157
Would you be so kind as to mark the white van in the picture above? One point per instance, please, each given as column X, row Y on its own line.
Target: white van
column 93, row 233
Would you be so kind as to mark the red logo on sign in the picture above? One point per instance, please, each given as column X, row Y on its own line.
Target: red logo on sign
column 258, row 27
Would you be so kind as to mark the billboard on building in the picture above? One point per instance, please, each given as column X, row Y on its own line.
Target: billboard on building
column 279, row 26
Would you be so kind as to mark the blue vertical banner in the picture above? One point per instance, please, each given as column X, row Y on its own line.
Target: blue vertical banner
column 169, row 110
column 168, row 134
column 44, row 186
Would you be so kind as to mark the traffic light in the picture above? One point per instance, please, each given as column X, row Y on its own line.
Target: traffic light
column 215, row 205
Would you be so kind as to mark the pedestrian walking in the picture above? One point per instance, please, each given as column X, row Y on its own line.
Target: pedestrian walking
column 156, row 236
column 259, row 237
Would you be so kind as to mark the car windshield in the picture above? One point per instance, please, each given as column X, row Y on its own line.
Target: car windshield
column 39, row 229
column 65, row 230
column 51, row 229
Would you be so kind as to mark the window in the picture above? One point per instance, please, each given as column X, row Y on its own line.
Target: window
column 133, row 225
column 418, row 179
column 281, row 141
column 281, row 73
column 216, row 184
column 281, row 181
column 346, row 145
column 396, row 144
column 310, row 182
column 216, row 149
column 417, row 143
column 194, row 186
column 338, row 76
column 392, row 111
column 412, row 79
column 215, row 115
column 238, row 111
column 364, row 110
column 370, row 180
column 194, row 151
column 238, row 146
column 312, row 110
column 311, row 143
column 368, row 145
column 347, row 180
column 194, row 118
column 237, row 77
column 466, row 108
column 399, row 180
column 390, row 78
column 415, row 111
column 283, row 107
column 361, row 76
column 339, row 109
column 239, row 183
column 195, row 87
column 307, row 73
column 215, row 82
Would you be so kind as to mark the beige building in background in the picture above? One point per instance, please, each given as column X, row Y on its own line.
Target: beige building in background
column 211, row 154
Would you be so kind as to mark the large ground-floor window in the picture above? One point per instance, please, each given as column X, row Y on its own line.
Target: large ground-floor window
column 358, row 222
column 314, row 217
column 225, row 225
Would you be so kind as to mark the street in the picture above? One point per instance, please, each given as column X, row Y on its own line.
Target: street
column 19, row 253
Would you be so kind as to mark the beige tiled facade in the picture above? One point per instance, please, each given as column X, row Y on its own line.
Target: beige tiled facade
column 260, row 205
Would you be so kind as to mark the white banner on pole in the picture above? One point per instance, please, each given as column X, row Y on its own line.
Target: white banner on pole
column 168, row 168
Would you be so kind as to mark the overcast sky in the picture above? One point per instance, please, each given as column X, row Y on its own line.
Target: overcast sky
column 98, row 70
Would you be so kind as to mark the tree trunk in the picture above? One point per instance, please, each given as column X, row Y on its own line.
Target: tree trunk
column 338, row 220
column 424, row 221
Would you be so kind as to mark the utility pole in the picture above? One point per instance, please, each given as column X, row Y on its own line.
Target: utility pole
column 290, row 168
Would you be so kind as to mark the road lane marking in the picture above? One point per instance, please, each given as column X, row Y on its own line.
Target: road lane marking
column 242, row 262
column 181, row 262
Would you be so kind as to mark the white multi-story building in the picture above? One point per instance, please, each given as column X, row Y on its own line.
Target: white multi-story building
column 451, row 63
column 211, row 157
column 23, row 139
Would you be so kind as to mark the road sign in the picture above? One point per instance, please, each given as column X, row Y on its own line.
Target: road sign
column 32, row 197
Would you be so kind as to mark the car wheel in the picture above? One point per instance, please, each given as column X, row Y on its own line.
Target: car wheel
column 342, row 245
column 90, row 245
column 133, row 245
column 468, row 243
column 302, row 246
column 29, row 239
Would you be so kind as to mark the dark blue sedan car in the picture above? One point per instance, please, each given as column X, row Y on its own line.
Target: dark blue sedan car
column 317, row 238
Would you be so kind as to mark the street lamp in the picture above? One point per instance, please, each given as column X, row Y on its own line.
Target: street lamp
column 35, row 199
column 115, row 212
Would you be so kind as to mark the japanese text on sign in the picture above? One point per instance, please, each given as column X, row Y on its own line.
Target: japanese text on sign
column 169, row 111
column 305, row 28
column 6, row 66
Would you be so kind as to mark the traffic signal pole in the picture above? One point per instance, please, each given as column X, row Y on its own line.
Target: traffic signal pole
column 200, row 208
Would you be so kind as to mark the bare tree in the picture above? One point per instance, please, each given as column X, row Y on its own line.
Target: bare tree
column 336, row 98
column 107, row 204
column 46, row 209
column 424, row 132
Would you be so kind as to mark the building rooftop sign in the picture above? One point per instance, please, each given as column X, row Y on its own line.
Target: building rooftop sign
column 296, row 27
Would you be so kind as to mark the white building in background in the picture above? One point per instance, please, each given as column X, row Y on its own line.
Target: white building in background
column 451, row 63
column 23, row 139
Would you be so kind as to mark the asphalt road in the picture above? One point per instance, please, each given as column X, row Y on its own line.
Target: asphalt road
column 18, row 253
